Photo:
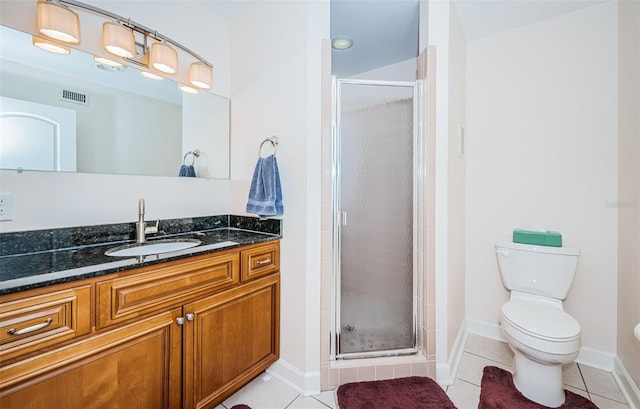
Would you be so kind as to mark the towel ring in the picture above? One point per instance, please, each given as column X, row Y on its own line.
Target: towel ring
column 194, row 155
column 274, row 142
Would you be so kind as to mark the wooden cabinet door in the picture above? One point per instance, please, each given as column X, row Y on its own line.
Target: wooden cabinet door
column 138, row 366
column 233, row 337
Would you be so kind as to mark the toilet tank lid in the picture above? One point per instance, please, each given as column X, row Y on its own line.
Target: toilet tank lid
column 567, row 251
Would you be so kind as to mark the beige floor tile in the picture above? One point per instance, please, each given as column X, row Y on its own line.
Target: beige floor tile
column 465, row 392
column 571, row 376
column 464, row 395
column 604, row 403
column 601, row 383
column 328, row 398
column 488, row 348
column 577, row 391
column 471, row 366
column 306, row 402
column 261, row 394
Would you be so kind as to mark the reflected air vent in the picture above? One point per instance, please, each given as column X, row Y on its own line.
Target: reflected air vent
column 75, row 97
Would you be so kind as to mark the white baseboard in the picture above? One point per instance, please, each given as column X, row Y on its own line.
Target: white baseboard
column 446, row 372
column 627, row 386
column 587, row 356
column 485, row 329
column 305, row 383
column 596, row 358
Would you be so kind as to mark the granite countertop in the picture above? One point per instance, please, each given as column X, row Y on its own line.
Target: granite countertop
column 42, row 258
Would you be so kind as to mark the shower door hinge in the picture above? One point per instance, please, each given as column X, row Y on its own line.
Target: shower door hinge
column 342, row 218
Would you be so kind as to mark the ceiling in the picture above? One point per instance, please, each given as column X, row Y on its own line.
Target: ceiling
column 480, row 18
column 385, row 32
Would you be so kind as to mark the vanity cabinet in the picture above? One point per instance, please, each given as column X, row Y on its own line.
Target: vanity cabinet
column 182, row 334
column 232, row 338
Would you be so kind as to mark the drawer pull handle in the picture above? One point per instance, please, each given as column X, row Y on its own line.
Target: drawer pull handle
column 265, row 261
column 32, row 328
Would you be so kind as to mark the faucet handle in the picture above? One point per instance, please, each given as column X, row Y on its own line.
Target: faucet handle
column 152, row 229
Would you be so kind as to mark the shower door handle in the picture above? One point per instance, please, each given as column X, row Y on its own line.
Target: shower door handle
column 342, row 218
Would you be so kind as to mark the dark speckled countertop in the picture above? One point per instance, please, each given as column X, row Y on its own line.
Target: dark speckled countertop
column 45, row 257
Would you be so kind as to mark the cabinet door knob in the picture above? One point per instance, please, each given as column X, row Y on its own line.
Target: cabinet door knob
column 265, row 261
column 190, row 317
column 180, row 320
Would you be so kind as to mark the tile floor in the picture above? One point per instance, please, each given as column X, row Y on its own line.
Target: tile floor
column 595, row 384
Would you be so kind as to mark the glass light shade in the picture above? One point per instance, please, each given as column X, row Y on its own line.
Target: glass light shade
column 200, row 75
column 58, row 22
column 164, row 58
column 118, row 39
column 50, row 46
column 106, row 61
column 187, row 89
column 150, row 75
column 342, row 43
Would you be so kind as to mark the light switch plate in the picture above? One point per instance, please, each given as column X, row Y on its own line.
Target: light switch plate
column 6, row 206
column 461, row 140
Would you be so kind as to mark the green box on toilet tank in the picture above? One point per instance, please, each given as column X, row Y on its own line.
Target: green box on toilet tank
column 538, row 238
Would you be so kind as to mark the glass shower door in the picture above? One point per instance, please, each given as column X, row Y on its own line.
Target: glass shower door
column 374, row 227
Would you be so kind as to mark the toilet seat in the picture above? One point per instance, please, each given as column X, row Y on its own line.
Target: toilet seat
column 541, row 321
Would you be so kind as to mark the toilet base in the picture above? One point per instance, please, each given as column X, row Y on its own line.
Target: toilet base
column 538, row 382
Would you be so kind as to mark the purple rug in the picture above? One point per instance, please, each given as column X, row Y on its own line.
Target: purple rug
column 498, row 392
column 414, row 392
column 240, row 407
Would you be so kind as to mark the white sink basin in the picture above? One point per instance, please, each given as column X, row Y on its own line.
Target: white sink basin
column 152, row 247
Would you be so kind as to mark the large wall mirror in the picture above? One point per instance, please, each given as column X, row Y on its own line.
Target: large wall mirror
column 122, row 122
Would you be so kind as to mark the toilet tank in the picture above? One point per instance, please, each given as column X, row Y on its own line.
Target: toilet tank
column 540, row 270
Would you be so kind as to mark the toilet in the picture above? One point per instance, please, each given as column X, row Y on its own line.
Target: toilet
column 541, row 334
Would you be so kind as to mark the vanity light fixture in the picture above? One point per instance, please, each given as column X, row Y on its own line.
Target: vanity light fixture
column 118, row 39
column 151, row 75
column 50, row 46
column 200, row 75
column 58, row 22
column 187, row 89
column 164, row 58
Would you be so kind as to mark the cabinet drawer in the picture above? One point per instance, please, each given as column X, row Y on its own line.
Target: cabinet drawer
column 32, row 323
column 260, row 261
column 155, row 289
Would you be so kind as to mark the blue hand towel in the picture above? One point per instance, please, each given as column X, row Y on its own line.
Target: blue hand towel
column 265, row 194
column 187, row 171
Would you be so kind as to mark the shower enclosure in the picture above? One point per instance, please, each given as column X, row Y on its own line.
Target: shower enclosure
column 375, row 158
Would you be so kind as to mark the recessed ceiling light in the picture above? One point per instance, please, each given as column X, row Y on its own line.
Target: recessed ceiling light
column 341, row 43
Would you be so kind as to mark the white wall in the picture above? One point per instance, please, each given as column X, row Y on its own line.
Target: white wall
column 542, row 148
column 629, row 188
column 445, row 33
column 456, row 179
column 275, row 54
column 48, row 200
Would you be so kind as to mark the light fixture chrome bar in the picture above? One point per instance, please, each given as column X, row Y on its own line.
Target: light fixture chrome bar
column 147, row 32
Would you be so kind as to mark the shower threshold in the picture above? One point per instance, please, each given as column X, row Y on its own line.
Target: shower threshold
column 379, row 354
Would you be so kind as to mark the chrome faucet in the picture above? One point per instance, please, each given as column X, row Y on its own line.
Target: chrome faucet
column 141, row 227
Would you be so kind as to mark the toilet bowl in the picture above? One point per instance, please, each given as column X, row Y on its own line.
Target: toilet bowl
column 541, row 334
column 543, row 338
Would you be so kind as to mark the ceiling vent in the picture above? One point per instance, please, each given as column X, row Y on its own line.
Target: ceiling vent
column 75, row 97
